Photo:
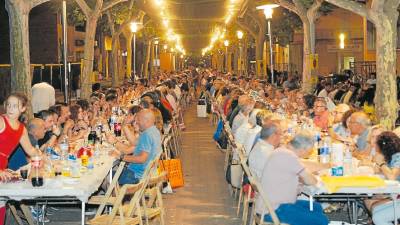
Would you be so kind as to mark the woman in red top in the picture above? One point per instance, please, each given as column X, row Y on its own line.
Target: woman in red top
column 12, row 133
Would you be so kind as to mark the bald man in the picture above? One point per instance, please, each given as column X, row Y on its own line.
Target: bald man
column 146, row 149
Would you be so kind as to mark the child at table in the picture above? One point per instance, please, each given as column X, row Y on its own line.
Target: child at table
column 12, row 133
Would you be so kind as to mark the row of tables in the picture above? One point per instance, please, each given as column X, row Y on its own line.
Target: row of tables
column 61, row 189
column 320, row 191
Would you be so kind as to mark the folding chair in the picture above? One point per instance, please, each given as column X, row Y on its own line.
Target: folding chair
column 118, row 212
column 154, row 207
column 167, row 148
column 246, row 198
column 111, row 190
column 256, row 186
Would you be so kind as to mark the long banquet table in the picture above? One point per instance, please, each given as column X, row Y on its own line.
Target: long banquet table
column 60, row 188
column 391, row 189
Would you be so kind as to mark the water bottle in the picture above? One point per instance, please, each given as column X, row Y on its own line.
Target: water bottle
column 348, row 163
column 74, row 166
column 90, row 164
column 323, row 151
column 64, row 146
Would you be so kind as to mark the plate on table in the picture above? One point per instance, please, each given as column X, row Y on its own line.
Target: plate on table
column 70, row 181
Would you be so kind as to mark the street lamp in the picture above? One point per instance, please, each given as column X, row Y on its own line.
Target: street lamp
column 165, row 48
column 226, row 44
column 156, row 45
column 134, row 28
column 239, row 34
column 268, row 11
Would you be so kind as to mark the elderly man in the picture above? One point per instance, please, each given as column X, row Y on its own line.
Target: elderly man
column 359, row 125
column 36, row 131
column 321, row 114
column 243, row 115
column 280, row 179
column 236, row 108
column 147, row 148
column 248, row 132
column 336, row 127
column 270, row 138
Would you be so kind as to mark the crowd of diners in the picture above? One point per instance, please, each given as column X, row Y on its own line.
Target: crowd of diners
column 145, row 109
column 260, row 114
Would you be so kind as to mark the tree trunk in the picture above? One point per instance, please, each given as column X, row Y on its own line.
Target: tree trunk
column 121, row 64
column 147, row 59
column 21, row 80
column 114, row 59
column 88, row 55
column 152, row 59
column 129, row 55
column 235, row 61
column 104, row 66
column 386, row 89
column 307, row 51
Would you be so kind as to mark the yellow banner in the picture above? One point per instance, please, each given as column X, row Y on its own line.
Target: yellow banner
column 108, row 43
column 314, row 61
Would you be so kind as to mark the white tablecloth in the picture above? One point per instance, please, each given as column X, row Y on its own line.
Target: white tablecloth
column 85, row 186
column 392, row 187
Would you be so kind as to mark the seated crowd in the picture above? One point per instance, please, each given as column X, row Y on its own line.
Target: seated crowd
column 144, row 111
column 262, row 118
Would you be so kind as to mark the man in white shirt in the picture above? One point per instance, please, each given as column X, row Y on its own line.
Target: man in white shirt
column 247, row 133
column 243, row 115
column 270, row 138
column 280, row 179
column 43, row 96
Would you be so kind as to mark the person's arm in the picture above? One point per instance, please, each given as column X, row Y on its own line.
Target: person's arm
column 2, row 124
column 27, row 146
column 307, row 177
column 129, row 134
column 390, row 173
column 313, row 166
column 141, row 158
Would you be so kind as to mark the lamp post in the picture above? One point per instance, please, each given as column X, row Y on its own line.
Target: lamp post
column 226, row 44
column 268, row 11
column 134, row 28
column 239, row 34
column 156, row 58
column 65, row 51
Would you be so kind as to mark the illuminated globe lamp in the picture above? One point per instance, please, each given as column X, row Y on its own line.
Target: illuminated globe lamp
column 268, row 11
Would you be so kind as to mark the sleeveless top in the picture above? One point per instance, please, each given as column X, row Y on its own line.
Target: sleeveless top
column 9, row 140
